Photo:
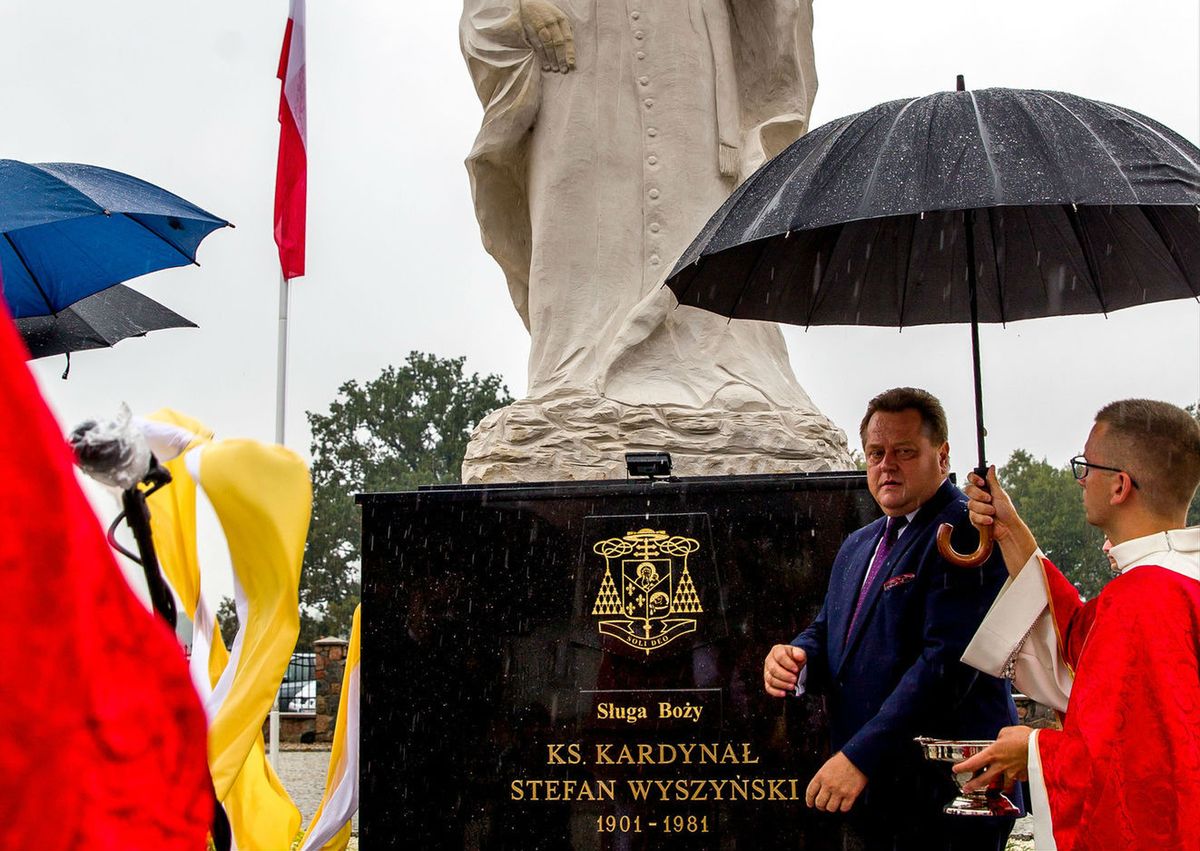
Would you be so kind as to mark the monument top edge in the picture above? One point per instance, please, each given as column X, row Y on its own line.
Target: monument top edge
column 575, row 488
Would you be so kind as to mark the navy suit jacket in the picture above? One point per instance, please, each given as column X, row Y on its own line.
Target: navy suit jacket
column 898, row 674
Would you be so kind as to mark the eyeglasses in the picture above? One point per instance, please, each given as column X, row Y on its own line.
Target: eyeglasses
column 1080, row 467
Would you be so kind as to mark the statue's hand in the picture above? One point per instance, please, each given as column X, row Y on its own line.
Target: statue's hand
column 549, row 34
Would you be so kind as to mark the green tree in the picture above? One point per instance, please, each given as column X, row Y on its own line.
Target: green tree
column 408, row 427
column 227, row 616
column 1193, row 515
column 1048, row 499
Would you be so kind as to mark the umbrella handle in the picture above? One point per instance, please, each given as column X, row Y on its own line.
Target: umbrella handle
column 947, row 551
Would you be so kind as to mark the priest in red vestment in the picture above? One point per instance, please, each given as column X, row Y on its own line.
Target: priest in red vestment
column 1124, row 771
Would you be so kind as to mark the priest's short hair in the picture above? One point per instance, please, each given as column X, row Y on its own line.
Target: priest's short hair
column 1159, row 445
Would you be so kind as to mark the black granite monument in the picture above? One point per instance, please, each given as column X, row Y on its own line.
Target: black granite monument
column 579, row 665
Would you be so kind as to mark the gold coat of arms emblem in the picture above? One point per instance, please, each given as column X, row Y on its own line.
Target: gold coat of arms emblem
column 646, row 589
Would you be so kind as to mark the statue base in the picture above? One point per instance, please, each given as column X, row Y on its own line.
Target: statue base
column 586, row 438
column 578, row 665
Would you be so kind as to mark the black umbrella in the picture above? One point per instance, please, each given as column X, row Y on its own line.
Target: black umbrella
column 100, row 320
column 985, row 206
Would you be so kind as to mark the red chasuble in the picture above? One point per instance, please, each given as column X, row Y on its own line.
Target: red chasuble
column 1124, row 772
column 1072, row 617
column 102, row 737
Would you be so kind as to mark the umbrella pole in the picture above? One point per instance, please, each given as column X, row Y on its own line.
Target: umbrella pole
column 973, row 295
column 944, row 531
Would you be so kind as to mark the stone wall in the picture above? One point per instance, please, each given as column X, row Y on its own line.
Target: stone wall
column 330, row 667
column 295, row 728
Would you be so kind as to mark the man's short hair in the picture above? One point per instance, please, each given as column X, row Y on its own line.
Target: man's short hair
column 1158, row 444
column 933, row 417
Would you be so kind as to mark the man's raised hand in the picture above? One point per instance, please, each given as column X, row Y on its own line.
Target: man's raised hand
column 781, row 669
column 549, row 34
column 991, row 507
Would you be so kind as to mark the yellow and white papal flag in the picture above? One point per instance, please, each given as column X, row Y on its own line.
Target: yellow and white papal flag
column 262, row 496
column 330, row 827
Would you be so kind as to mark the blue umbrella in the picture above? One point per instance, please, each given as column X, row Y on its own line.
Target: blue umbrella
column 69, row 230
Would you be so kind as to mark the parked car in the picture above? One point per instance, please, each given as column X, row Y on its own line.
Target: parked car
column 305, row 700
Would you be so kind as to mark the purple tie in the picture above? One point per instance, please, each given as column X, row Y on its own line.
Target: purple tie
column 894, row 525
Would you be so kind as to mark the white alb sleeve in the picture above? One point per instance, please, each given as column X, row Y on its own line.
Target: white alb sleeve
column 1017, row 639
column 1039, row 805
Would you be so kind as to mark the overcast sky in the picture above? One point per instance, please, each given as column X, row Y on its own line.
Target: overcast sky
column 184, row 95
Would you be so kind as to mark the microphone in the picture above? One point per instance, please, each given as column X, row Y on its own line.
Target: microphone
column 113, row 452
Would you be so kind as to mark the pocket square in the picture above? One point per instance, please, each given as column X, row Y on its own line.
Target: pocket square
column 898, row 580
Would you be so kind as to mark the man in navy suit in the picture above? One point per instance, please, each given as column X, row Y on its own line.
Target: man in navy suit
column 885, row 648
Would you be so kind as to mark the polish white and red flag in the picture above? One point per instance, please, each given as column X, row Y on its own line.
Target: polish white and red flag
column 291, row 177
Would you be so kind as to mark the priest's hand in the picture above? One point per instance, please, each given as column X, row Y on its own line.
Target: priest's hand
column 836, row 786
column 781, row 670
column 988, row 505
column 549, row 34
column 1004, row 762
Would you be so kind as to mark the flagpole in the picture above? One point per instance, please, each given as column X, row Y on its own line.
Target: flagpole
column 281, row 362
column 280, row 431
column 291, row 182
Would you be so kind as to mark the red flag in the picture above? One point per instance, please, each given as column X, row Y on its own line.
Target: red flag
column 291, row 176
column 102, row 737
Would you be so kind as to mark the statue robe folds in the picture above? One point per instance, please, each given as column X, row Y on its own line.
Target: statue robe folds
column 588, row 186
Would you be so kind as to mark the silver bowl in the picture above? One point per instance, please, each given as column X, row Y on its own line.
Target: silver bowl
column 984, row 802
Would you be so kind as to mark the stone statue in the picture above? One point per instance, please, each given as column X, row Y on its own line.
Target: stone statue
column 612, row 130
